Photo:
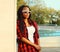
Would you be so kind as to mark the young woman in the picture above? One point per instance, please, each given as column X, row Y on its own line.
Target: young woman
column 27, row 32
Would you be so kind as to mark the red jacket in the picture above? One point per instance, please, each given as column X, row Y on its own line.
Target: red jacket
column 23, row 47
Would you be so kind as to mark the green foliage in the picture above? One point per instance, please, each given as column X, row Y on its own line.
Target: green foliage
column 20, row 2
column 41, row 14
column 58, row 22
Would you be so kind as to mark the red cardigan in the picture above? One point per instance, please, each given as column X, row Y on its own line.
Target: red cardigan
column 23, row 47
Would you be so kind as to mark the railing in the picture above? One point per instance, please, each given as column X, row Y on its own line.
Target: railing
column 49, row 31
column 44, row 27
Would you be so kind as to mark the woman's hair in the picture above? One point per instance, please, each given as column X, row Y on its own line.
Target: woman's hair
column 20, row 17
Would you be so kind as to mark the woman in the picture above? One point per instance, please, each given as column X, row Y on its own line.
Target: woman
column 27, row 32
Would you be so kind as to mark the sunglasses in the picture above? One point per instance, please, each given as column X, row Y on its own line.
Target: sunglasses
column 25, row 11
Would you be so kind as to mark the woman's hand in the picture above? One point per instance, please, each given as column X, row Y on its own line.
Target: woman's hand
column 37, row 47
column 30, row 43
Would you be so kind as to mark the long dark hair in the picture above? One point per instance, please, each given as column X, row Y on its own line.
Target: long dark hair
column 20, row 17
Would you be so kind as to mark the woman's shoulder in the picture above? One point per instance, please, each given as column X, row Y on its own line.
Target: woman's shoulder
column 35, row 22
column 18, row 22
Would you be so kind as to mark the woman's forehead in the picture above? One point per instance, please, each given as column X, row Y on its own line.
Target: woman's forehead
column 25, row 8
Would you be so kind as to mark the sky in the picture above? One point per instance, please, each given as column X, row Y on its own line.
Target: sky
column 49, row 3
column 53, row 4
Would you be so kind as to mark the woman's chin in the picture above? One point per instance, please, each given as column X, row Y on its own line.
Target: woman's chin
column 26, row 17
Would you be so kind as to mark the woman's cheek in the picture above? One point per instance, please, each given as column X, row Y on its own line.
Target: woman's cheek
column 26, row 16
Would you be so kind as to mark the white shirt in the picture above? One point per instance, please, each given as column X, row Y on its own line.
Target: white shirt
column 31, row 31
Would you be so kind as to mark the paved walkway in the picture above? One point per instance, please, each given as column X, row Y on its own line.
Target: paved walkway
column 50, row 49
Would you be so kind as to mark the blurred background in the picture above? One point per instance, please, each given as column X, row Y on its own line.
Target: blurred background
column 44, row 12
column 47, row 14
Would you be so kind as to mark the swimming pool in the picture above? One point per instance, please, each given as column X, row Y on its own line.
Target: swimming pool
column 49, row 33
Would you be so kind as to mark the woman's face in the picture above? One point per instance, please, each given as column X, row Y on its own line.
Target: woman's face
column 26, row 12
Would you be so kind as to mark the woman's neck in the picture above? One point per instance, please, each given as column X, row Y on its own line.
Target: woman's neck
column 25, row 20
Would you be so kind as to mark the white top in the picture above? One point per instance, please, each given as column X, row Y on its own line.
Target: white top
column 31, row 31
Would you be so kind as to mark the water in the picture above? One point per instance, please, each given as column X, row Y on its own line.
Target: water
column 49, row 33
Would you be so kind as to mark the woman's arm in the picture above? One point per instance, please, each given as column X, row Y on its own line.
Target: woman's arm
column 30, row 43
column 37, row 36
column 39, row 43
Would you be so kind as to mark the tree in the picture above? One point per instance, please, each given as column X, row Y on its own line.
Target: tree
column 20, row 2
